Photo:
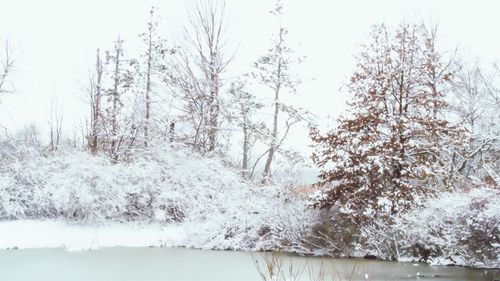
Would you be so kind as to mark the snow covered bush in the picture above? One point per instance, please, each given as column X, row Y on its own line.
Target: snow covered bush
column 461, row 227
column 163, row 184
column 379, row 238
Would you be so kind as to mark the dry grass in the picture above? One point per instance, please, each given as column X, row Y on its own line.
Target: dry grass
column 279, row 266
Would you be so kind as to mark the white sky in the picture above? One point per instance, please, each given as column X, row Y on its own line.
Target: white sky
column 56, row 42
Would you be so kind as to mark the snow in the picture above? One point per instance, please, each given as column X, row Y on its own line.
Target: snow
column 462, row 226
column 158, row 192
column 169, row 196
column 28, row 234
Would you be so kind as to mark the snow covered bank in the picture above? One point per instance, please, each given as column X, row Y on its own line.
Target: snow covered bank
column 165, row 184
column 454, row 228
column 169, row 196
column 28, row 234
column 460, row 227
column 166, row 187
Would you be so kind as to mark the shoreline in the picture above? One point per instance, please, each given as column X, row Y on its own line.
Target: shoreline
column 77, row 236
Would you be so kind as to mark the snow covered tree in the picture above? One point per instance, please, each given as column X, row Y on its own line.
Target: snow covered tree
column 94, row 90
column 475, row 102
column 388, row 152
column 149, row 67
column 245, row 106
column 121, row 130
column 196, row 72
column 274, row 71
column 55, row 124
column 121, row 94
column 469, row 96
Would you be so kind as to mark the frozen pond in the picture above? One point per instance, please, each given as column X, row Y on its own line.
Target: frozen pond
column 178, row 264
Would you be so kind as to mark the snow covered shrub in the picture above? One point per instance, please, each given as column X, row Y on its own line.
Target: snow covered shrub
column 461, row 227
column 334, row 234
column 339, row 230
column 382, row 239
column 24, row 144
column 10, row 206
column 288, row 228
column 211, row 203
column 327, row 232
column 72, row 186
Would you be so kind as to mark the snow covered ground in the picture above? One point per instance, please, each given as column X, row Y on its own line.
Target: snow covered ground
column 28, row 234
column 166, row 196
column 170, row 196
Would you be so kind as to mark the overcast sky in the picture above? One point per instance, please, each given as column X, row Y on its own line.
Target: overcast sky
column 56, row 40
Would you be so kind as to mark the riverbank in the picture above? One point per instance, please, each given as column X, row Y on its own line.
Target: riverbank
column 33, row 234
column 170, row 196
column 70, row 236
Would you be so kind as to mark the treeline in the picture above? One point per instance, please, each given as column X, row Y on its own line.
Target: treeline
column 181, row 92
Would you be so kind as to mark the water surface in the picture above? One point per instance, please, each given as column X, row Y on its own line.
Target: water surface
column 178, row 264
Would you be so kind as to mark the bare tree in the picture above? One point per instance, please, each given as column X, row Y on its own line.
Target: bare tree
column 7, row 64
column 274, row 71
column 245, row 106
column 197, row 69
column 94, row 91
column 115, row 95
column 120, row 127
column 152, row 57
column 469, row 96
column 149, row 62
column 474, row 101
column 55, row 124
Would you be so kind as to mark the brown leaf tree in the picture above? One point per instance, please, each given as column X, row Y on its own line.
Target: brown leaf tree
column 388, row 152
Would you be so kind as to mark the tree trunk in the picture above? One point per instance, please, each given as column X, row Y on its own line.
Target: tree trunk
column 246, row 145
column 96, row 106
column 274, row 136
column 171, row 131
column 148, row 86
column 114, row 112
column 213, row 106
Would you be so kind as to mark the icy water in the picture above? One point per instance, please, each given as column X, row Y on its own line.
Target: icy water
column 177, row 264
